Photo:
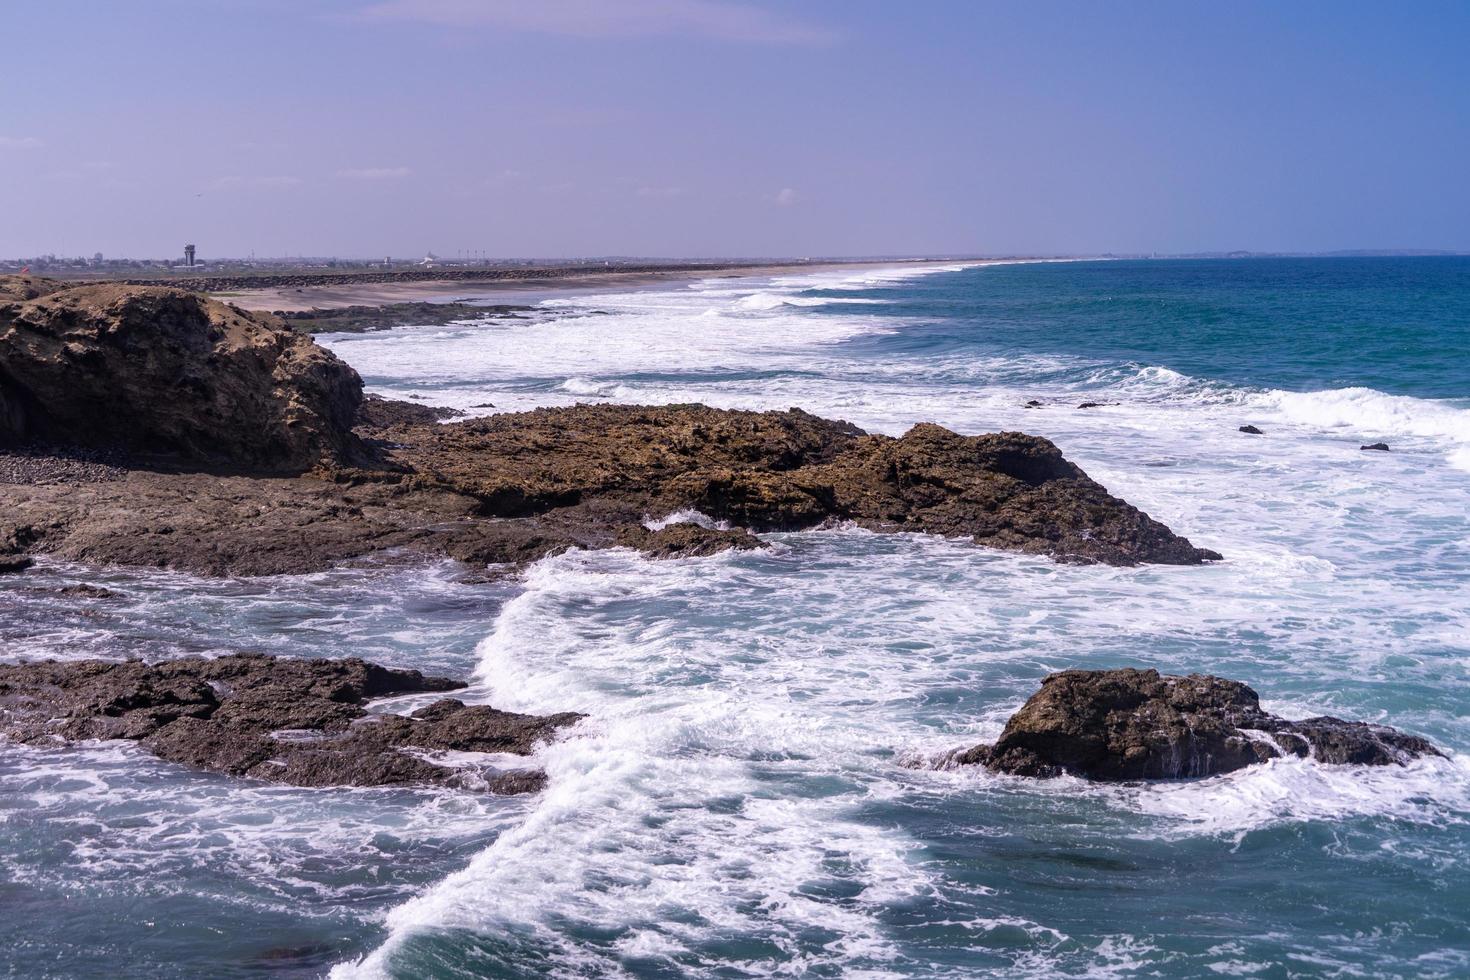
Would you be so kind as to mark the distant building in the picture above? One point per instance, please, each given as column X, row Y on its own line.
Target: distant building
column 189, row 256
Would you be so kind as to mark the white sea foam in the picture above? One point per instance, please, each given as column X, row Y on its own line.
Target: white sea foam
column 1428, row 791
column 1364, row 411
column 686, row 809
column 749, row 710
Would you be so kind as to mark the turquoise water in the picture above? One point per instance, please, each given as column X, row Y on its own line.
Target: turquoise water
column 755, row 793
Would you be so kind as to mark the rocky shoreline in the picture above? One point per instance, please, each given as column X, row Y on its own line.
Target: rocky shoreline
column 226, row 283
column 365, row 319
column 238, row 446
column 301, row 722
column 148, row 426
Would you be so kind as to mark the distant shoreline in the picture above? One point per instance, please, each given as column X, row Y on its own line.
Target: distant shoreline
column 526, row 285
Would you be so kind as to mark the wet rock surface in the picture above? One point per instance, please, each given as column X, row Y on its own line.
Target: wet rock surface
column 1127, row 724
column 364, row 319
column 502, row 490
column 686, row 540
column 300, row 722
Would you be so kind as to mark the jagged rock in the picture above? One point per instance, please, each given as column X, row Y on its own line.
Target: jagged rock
column 1129, row 724
column 11, row 564
column 300, row 722
column 1381, row 447
column 157, row 370
column 86, row 591
column 781, row 471
column 1251, row 430
column 160, row 370
column 1033, row 403
column 686, row 540
column 379, row 413
column 513, row 488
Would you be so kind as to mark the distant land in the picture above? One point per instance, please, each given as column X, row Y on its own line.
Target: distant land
column 168, row 270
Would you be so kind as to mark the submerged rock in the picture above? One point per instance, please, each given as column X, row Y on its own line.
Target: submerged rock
column 1380, row 447
column 1251, row 430
column 301, row 722
column 687, row 540
column 1128, row 724
column 157, row 370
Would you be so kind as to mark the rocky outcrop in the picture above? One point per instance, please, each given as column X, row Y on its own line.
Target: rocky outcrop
column 204, row 409
column 1128, row 724
column 301, row 722
column 512, row 488
column 160, row 371
column 687, row 540
column 780, row 471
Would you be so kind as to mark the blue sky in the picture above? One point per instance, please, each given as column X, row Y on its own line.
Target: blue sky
column 732, row 127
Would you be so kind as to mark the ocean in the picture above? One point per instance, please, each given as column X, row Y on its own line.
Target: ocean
column 755, row 792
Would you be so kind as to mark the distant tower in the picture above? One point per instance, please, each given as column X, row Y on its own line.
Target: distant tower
column 189, row 256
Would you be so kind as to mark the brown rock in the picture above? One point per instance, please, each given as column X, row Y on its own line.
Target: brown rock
column 156, row 370
column 686, row 540
column 160, row 370
column 1128, row 724
column 301, row 722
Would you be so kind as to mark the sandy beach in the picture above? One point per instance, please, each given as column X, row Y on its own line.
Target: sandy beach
column 517, row 290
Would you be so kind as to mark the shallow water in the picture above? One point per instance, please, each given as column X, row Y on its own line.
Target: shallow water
column 752, row 794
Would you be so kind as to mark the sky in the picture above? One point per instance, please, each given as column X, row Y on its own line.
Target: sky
column 711, row 128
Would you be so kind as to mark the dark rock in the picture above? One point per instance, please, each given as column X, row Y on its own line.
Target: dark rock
column 483, row 405
column 159, row 370
column 300, row 722
column 361, row 319
column 1092, row 404
column 1251, row 430
column 379, row 413
column 513, row 488
column 1381, row 447
column 776, row 471
column 162, row 371
column 1128, row 724
column 10, row 564
column 686, row 540
column 1033, row 403
column 85, row 591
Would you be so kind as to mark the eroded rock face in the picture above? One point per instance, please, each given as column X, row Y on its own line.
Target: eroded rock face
column 157, row 370
column 301, row 722
column 1129, row 724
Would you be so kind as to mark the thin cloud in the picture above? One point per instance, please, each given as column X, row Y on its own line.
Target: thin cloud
column 225, row 183
column 20, row 143
column 786, row 197
column 719, row 19
column 374, row 173
column 660, row 192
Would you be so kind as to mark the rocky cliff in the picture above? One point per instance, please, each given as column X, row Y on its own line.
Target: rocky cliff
column 164, row 372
